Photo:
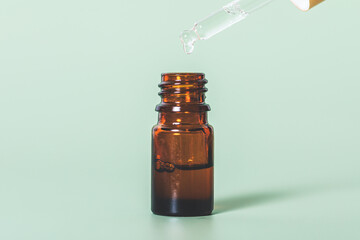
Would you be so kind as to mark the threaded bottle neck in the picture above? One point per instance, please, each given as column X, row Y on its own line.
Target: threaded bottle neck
column 182, row 92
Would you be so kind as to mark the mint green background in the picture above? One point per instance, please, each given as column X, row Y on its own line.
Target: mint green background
column 78, row 87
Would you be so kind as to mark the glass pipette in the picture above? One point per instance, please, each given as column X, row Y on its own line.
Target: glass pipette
column 220, row 20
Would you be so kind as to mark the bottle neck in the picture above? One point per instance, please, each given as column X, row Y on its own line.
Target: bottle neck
column 183, row 93
column 182, row 118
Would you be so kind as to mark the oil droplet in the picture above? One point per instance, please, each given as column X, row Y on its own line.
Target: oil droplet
column 188, row 39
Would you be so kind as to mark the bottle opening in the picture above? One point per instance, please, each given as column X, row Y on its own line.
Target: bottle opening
column 165, row 77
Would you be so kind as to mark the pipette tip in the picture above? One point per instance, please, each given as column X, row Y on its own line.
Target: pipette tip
column 188, row 39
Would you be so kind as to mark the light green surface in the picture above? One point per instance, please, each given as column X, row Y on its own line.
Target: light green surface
column 78, row 87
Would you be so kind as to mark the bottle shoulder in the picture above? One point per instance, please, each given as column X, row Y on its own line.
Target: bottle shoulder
column 183, row 128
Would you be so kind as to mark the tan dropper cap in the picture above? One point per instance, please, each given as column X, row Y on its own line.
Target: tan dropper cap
column 305, row 5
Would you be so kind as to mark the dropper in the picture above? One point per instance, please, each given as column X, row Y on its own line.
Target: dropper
column 220, row 20
column 227, row 16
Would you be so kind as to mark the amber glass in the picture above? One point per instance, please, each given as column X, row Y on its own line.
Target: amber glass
column 182, row 148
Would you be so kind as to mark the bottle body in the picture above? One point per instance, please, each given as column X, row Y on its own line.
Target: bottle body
column 182, row 151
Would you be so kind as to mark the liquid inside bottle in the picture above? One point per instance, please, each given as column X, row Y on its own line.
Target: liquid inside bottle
column 182, row 149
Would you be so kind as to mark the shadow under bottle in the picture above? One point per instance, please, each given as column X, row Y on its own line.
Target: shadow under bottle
column 182, row 148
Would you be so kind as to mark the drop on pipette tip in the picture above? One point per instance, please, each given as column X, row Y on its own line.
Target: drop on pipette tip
column 188, row 39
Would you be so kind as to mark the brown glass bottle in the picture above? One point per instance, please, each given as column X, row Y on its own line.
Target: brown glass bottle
column 182, row 148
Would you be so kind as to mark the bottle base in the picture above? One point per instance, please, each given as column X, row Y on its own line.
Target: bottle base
column 182, row 207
